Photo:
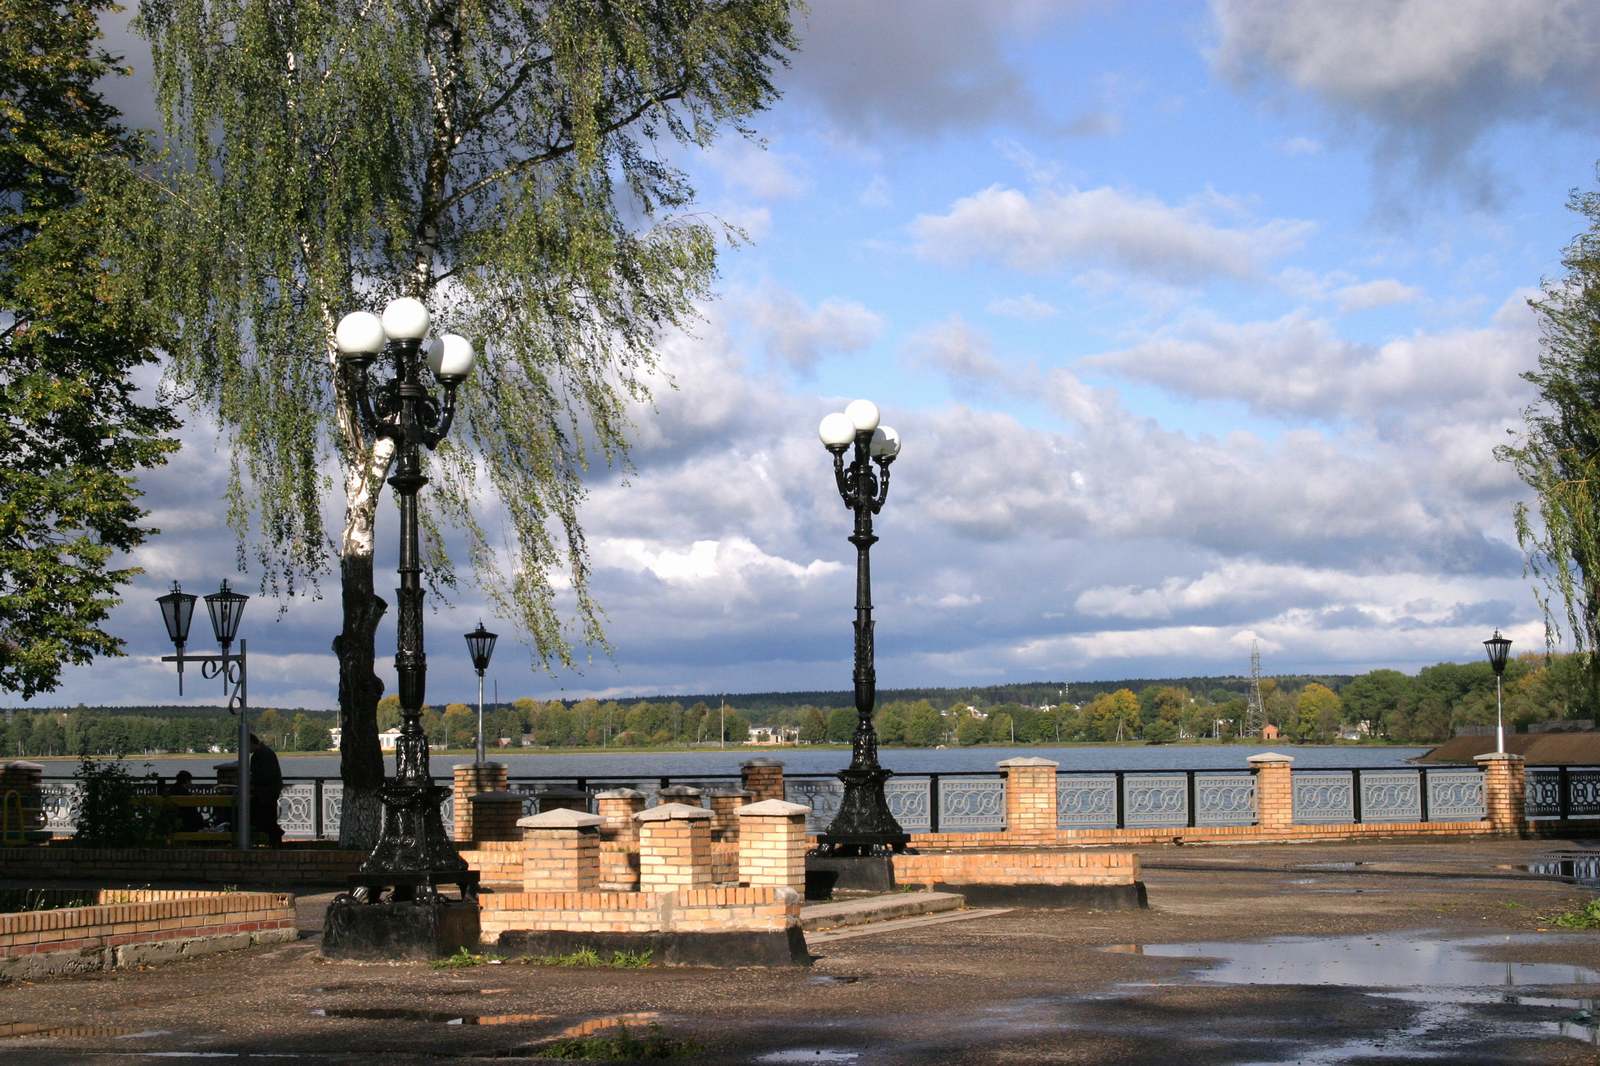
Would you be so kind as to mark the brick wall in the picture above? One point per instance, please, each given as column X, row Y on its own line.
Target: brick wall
column 136, row 926
column 207, row 866
column 681, row 911
column 498, row 862
column 468, row 780
column 1018, row 867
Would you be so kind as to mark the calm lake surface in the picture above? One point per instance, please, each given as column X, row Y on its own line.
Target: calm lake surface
column 826, row 760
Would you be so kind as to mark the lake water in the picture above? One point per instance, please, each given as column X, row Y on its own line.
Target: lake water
column 825, row 760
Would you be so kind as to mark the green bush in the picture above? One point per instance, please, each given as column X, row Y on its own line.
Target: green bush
column 107, row 811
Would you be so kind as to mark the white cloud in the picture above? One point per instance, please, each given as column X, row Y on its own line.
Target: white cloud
column 800, row 335
column 1301, row 146
column 758, row 171
column 1048, row 230
column 876, row 192
column 1026, row 306
column 1429, row 77
column 1380, row 293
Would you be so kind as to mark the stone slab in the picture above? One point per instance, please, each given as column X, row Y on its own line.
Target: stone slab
column 1055, row 897
column 844, row 912
column 866, row 873
column 379, row 931
column 769, row 948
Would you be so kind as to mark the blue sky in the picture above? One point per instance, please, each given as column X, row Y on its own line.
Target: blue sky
column 1199, row 321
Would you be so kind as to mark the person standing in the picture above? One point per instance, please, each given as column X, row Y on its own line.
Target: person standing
column 266, row 784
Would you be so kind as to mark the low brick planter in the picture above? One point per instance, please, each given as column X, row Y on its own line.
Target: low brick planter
column 139, row 926
column 1031, row 877
column 261, row 867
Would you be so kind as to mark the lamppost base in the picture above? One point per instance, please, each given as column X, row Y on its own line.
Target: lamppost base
column 414, row 856
column 428, row 928
column 863, row 825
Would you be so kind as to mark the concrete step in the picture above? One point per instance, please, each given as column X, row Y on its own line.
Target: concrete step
column 893, row 924
column 841, row 912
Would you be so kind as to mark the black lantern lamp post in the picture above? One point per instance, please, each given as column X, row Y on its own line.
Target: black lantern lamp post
column 480, row 645
column 414, row 856
column 1497, row 647
column 863, row 825
column 226, row 607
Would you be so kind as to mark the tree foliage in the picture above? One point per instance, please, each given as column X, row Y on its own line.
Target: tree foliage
column 1557, row 452
column 72, row 429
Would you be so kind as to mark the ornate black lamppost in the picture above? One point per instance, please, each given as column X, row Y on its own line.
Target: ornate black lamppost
column 480, row 645
column 863, row 825
column 1497, row 647
column 414, row 855
column 226, row 607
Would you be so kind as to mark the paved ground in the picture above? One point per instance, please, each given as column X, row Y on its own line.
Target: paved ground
column 1437, row 950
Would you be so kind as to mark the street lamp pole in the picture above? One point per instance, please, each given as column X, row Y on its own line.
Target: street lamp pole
column 226, row 607
column 864, row 825
column 1497, row 647
column 480, row 645
column 414, row 855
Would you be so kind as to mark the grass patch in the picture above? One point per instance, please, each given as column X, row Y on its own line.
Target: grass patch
column 41, row 899
column 617, row 960
column 620, row 1046
column 1584, row 917
column 463, row 959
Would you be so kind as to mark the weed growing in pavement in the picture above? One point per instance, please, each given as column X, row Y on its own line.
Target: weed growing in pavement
column 587, row 956
column 1584, row 917
column 463, row 959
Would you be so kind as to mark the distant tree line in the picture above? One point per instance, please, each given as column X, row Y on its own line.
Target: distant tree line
column 1380, row 705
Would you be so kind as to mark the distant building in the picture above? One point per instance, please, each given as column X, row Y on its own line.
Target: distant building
column 768, row 735
column 386, row 739
column 1269, row 732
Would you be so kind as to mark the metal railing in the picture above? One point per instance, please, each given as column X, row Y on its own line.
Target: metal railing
column 974, row 801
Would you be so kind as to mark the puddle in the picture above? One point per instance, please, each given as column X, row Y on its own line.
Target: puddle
column 1124, row 949
column 437, row 1017
column 806, row 1054
column 831, row 979
column 1333, row 867
column 1370, row 962
column 1585, row 869
column 16, row 1030
column 610, row 1021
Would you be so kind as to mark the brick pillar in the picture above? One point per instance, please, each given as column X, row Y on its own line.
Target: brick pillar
column 1274, row 789
column 560, row 851
column 22, row 816
column 674, row 847
column 762, row 778
column 1504, row 798
column 685, row 794
column 561, row 798
column 725, row 803
column 494, row 816
column 471, row 779
column 1030, row 797
column 772, row 844
column 619, row 837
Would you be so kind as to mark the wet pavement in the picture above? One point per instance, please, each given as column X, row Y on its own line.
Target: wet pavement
column 1367, row 953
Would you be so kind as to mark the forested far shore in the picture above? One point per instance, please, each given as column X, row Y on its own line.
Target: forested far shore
column 1381, row 705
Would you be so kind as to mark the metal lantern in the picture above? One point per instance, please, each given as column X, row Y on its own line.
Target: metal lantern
column 1497, row 647
column 226, row 607
column 480, row 645
column 177, row 610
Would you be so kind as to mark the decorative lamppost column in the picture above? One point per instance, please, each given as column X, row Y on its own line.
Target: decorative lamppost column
column 1497, row 647
column 480, row 645
column 226, row 607
column 414, row 855
column 863, row 825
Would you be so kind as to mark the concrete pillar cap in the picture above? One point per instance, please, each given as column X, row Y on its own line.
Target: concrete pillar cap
column 620, row 794
column 20, row 764
column 496, row 797
column 1498, row 756
column 760, row 762
column 559, row 819
column 1270, row 758
column 669, row 812
column 773, row 808
column 1026, row 760
column 679, row 790
column 714, row 793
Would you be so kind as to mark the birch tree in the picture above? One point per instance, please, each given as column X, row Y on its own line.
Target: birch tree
column 511, row 163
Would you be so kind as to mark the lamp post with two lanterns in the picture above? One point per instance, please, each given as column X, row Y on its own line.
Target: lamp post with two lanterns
column 226, row 607
column 864, row 825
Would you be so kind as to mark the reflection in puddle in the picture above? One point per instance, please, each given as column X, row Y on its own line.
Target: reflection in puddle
column 1369, row 961
column 831, row 979
column 611, row 1021
column 1124, row 949
column 806, row 1054
column 1581, row 868
column 11, row 1030
column 1446, row 978
column 1334, row 867
column 439, row 1017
